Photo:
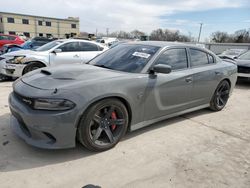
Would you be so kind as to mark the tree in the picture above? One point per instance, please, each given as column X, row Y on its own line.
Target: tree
column 241, row 36
column 168, row 35
column 137, row 34
column 220, row 37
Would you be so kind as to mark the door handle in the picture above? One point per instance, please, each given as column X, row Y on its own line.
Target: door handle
column 188, row 79
column 76, row 56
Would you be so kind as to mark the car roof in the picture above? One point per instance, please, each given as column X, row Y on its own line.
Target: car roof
column 162, row 44
column 76, row 40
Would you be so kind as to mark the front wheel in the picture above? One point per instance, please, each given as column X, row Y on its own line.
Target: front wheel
column 220, row 96
column 32, row 66
column 103, row 125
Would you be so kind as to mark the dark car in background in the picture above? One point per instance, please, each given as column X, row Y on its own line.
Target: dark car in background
column 28, row 45
column 243, row 63
column 10, row 39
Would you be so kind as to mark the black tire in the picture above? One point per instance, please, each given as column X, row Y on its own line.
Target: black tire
column 220, row 96
column 98, row 129
column 32, row 66
column 5, row 78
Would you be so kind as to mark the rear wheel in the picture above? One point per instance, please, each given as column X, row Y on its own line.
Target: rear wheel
column 103, row 125
column 221, row 96
column 32, row 66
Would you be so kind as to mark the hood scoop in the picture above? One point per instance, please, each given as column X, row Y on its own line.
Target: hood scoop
column 46, row 72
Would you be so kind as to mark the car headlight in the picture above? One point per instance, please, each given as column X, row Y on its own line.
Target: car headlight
column 53, row 104
column 16, row 60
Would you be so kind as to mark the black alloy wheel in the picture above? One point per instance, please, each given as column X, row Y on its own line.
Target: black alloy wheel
column 104, row 124
column 221, row 96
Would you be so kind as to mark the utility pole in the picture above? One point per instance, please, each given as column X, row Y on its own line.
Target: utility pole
column 107, row 30
column 96, row 32
column 200, row 32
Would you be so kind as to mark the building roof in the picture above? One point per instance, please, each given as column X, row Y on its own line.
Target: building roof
column 75, row 19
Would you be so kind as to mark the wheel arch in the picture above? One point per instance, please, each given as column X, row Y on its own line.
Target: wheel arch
column 27, row 63
column 122, row 99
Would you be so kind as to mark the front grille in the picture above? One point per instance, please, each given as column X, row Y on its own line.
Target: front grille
column 26, row 100
column 243, row 69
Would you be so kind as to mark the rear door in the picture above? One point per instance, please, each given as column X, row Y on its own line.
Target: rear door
column 205, row 76
column 70, row 54
column 169, row 93
column 89, row 51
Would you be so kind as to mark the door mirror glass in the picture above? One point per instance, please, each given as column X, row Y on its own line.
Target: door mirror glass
column 161, row 68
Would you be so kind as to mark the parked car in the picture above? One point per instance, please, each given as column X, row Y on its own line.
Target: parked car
column 123, row 89
column 243, row 63
column 59, row 52
column 232, row 53
column 108, row 41
column 10, row 39
column 28, row 45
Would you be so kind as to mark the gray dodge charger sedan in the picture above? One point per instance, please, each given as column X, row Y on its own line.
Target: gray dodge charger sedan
column 126, row 88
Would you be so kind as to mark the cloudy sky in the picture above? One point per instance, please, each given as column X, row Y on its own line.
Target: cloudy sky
column 145, row 15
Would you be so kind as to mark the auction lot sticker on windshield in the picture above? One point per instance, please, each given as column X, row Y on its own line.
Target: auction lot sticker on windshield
column 141, row 54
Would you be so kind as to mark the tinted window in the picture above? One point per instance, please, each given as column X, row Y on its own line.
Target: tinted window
column 210, row 59
column 176, row 58
column 198, row 57
column 48, row 23
column 73, row 25
column 40, row 22
column 126, row 57
column 25, row 21
column 69, row 47
column 86, row 46
column 10, row 20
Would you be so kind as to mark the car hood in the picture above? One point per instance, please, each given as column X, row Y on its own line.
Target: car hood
column 24, row 53
column 245, row 63
column 68, row 76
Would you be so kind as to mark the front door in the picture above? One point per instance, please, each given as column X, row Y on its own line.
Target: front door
column 69, row 54
column 169, row 93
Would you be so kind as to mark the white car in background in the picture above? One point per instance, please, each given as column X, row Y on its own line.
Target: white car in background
column 59, row 52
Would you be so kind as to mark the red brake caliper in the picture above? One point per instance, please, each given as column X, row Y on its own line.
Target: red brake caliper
column 113, row 116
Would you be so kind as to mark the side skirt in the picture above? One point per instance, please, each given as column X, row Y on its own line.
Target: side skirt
column 149, row 122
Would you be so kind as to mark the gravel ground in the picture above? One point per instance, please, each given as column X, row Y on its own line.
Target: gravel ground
column 199, row 149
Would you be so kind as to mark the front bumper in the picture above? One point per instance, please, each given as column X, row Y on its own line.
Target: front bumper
column 244, row 71
column 43, row 129
column 12, row 70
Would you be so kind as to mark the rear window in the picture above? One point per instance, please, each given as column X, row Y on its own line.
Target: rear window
column 199, row 58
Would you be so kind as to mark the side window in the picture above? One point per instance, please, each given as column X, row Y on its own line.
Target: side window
column 69, row 47
column 210, row 59
column 176, row 58
column 86, row 46
column 198, row 58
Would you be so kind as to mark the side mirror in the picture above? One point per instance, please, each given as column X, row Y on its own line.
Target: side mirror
column 235, row 57
column 57, row 50
column 161, row 68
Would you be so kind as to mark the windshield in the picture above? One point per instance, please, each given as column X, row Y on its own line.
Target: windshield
column 245, row 56
column 48, row 46
column 126, row 57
